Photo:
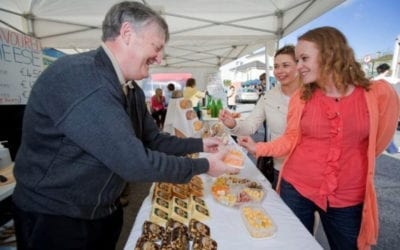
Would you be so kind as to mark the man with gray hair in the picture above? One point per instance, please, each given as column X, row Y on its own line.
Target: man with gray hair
column 87, row 133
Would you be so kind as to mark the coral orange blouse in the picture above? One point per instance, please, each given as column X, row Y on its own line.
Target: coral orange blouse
column 383, row 107
column 329, row 165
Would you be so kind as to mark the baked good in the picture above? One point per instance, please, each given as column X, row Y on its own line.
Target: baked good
column 185, row 104
column 179, row 214
column 198, row 229
column 144, row 244
column 177, row 239
column 159, row 216
column 179, row 192
column 180, row 202
column 196, row 190
column 190, row 115
column 197, row 200
column 197, row 125
column 172, row 224
column 200, row 213
column 162, row 203
column 197, row 181
column 204, row 243
column 153, row 231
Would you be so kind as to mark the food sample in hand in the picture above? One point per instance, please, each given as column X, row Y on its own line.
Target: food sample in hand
column 234, row 158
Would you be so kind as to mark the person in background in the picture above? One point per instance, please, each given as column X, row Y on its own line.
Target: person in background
column 383, row 71
column 168, row 94
column 191, row 93
column 263, row 84
column 337, row 125
column 231, row 95
column 87, row 132
column 158, row 108
column 272, row 107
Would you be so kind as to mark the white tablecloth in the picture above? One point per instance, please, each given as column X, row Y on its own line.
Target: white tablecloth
column 176, row 119
column 228, row 229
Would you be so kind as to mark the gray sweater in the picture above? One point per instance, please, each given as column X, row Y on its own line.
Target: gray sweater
column 79, row 148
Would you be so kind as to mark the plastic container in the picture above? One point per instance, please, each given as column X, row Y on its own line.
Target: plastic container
column 257, row 221
column 5, row 158
column 234, row 158
column 234, row 191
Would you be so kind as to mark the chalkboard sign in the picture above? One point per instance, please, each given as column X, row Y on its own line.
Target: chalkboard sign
column 21, row 62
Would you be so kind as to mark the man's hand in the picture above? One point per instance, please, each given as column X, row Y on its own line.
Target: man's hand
column 211, row 144
column 218, row 166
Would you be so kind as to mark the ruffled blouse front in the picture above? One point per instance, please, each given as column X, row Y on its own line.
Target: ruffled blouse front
column 329, row 164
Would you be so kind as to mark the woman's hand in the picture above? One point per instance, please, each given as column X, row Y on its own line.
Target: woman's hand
column 248, row 143
column 227, row 119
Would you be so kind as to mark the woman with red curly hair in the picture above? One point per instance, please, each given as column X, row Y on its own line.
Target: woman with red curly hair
column 338, row 123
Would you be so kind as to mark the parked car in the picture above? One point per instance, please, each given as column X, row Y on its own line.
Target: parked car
column 247, row 95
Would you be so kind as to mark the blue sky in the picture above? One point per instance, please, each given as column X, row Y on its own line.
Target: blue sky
column 369, row 25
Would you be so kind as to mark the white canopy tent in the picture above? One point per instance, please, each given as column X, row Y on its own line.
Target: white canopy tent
column 205, row 34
